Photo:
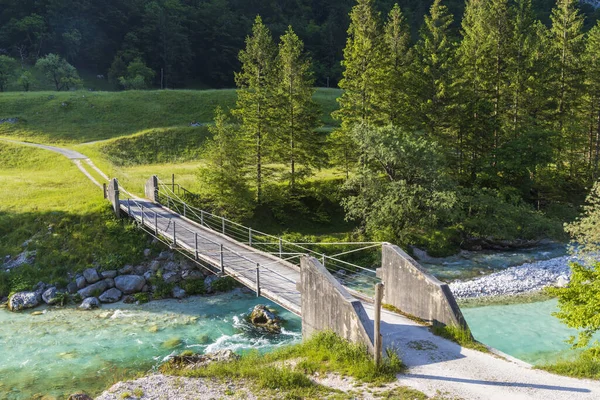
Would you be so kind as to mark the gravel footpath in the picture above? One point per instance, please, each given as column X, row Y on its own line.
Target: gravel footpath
column 162, row 387
column 524, row 278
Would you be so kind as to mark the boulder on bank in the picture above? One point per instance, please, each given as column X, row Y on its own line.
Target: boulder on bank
column 129, row 284
column 111, row 296
column 109, row 274
column 80, row 396
column 81, row 282
column 22, row 300
column 93, row 290
column 50, row 296
column 178, row 293
column 91, row 275
column 72, row 287
column 90, row 303
column 264, row 319
column 196, row 361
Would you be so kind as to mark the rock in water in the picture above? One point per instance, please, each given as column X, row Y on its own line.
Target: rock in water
column 93, row 290
column 111, row 296
column 49, row 296
column 90, row 303
column 22, row 300
column 91, row 275
column 129, row 284
column 264, row 319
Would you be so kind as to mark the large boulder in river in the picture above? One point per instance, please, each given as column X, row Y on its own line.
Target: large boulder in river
column 93, row 290
column 264, row 319
column 129, row 284
column 90, row 303
column 50, row 296
column 91, row 275
column 22, row 300
column 111, row 296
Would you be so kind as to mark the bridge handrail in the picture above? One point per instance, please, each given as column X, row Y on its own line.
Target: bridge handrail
column 145, row 211
column 245, row 229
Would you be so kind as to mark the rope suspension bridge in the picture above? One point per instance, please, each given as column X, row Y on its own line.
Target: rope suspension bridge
column 268, row 264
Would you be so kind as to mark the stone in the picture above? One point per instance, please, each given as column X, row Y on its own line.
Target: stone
column 129, row 299
column 264, row 319
column 155, row 265
column 208, row 283
column 146, row 289
column 26, row 257
column 50, row 296
column 72, row 287
column 148, row 275
column 185, row 265
column 171, row 277
column 129, row 284
column 93, row 290
column 79, row 396
column 165, row 255
column 110, row 282
column 171, row 266
column 109, row 274
column 81, row 282
column 111, row 296
column 188, row 275
column 90, row 303
column 126, row 270
column 196, row 361
column 147, row 253
column 562, row 281
column 91, row 275
column 140, row 270
column 22, row 300
column 178, row 293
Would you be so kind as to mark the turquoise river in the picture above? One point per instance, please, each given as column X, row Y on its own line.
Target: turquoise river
column 60, row 351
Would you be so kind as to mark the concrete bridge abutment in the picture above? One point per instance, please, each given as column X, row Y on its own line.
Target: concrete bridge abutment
column 113, row 196
column 151, row 189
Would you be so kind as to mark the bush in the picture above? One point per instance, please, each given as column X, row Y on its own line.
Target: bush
column 160, row 288
column 141, row 297
column 225, row 284
column 194, row 287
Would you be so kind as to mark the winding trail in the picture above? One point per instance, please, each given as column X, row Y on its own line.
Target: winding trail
column 436, row 365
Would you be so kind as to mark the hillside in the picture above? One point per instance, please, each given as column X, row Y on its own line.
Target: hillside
column 79, row 117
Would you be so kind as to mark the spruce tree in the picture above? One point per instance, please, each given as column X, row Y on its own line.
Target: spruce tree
column 254, row 82
column 431, row 73
column 567, row 45
column 295, row 114
column 358, row 103
column 592, row 99
column 224, row 171
column 392, row 98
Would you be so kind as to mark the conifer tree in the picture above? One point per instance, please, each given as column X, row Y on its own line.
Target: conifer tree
column 592, row 99
column 431, row 74
column 295, row 113
column 225, row 167
column 253, row 103
column 567, row 44
column 392, row 97
column 359, row 84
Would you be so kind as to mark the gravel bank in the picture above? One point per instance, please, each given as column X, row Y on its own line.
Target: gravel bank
column 161, row 387
column 524, row 278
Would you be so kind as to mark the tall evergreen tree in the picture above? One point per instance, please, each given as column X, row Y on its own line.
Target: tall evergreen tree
column 295, row 113
column 431, row 74
column 592, row 99
column 392, row 97
column 358, row 103
column 566, row 45
column 225, row 168
column 255, row 81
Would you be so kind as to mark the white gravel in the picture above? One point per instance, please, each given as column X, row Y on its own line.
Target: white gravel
column 521, row 279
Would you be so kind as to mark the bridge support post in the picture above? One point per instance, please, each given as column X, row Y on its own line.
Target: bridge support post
column 104, row 190
column 113, row 196
column 257, row 280
column 377, row 328
column 151, row 189
column 202, row 217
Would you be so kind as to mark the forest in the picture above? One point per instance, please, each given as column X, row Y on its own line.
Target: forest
column 195, row 42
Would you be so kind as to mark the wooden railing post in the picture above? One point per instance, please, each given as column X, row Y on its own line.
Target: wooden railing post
column 202, row 217
column 104, row 190
column 223, row 224
column 257, row 280
column 250, row 237
column 156, row 223
column 378, row 338
column 174, row 235
column 280, row 248
column 142, row 206
column 221, row 260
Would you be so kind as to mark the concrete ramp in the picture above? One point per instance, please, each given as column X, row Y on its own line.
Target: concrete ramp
column 327, row 305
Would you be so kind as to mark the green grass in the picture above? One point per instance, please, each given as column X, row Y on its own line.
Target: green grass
column 586, row 365
column 523, row 298
column 47, row 199
column 83, row 116
column 287, row 370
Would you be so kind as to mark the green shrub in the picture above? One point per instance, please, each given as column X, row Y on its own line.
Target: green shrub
column 194, row 287
column 225, row 284
column 160, row 288
column 142, row 297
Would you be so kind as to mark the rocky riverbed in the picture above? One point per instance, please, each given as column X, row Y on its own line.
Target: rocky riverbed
column 528, row 277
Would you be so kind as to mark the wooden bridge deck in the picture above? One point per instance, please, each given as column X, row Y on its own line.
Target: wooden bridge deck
column 277, row 277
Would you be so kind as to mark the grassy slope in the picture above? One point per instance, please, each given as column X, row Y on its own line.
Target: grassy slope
column 78, row 117
column 45, row 197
